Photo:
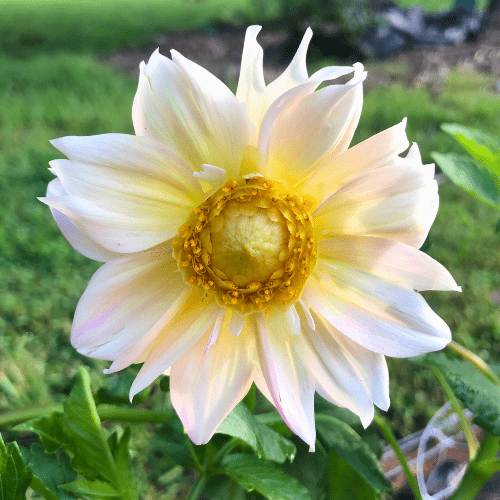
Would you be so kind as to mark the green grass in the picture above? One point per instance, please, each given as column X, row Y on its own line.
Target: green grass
column 103, row 26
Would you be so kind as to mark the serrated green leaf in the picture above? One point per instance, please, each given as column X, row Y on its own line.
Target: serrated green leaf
column 347, row 443
column 52, row 469
column 82, row 426
column 268, row 444
column 481, row 145
column 91, row 453
column 477, row 392
column 471, row 175
column 15, row 476
column 120, row 453
column 92, row 489
column 49, row 429
column 345, row 483
column 253, row 473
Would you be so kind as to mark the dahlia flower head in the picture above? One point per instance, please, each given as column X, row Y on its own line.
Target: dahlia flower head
column 244, row 241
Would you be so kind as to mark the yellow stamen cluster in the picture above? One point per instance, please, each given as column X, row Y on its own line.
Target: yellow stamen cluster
column 250, row 243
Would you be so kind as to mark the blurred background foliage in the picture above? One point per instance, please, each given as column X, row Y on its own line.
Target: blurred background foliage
column 53, row 83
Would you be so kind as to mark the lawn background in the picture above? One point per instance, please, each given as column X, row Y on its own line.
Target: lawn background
column 53, row 84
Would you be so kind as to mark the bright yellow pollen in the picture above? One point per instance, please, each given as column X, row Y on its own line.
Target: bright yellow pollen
column 250, row 243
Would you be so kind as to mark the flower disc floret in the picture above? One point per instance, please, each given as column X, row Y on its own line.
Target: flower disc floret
column 250, row 243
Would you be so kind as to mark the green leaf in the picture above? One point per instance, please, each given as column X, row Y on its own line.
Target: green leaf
column 477, row 392
column 119, row 450
column 268, row 444
column 91, row 453
column 253, row 473
column 15, row 476
column 49, row 429
column 171, row 440
column 481, row 145
column 471, row 175
column 347, row 443
column 92, row 489
column 51, row 469
column 82, row 426
column 310, row 470
column 345, row 483
column 116, row 390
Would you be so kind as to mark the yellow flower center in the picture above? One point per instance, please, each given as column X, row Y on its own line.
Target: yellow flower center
column 250, row 243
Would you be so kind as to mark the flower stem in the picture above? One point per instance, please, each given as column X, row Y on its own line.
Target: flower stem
column 198, row 488
column 106, row 412
column 472, row 442
column 474, row 359
column 389, row 436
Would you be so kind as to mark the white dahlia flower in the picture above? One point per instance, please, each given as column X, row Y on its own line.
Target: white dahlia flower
column 245, row 241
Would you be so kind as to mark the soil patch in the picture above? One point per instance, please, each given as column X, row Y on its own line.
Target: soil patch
column 219, row 51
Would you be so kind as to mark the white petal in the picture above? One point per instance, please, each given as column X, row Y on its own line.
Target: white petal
column 80, row 241
column 358, row 374
column 184, row 105
column 133, row 154
column 214, row 176
column 215, row 329
column 236, row 324
column 307, row 315
column 377, row 314
column 397, row 262
column 124, row 299
column 175, row 338
column 115, row 231
column 391, row 202
column 206, row 386
column 251, row 84
column 286, row 375
column 333, row 171
column 319, row 124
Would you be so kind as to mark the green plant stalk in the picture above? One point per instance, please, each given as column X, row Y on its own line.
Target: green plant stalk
column 391, row 439
column 474, row 359
column 472, row 442
column 198, row 488
column 105, row 412
column 476, row 474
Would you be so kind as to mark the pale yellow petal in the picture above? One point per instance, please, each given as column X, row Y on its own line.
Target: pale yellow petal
column 206, row 384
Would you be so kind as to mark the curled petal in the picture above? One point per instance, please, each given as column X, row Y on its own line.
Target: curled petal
column 334, row 170
column 183, row 105
column 312, row 126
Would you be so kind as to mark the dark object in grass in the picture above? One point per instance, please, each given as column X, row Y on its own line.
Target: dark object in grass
column 400, row 29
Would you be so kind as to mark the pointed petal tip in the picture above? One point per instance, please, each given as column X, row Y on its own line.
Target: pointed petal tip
column 367, row 419
column 254, row 29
